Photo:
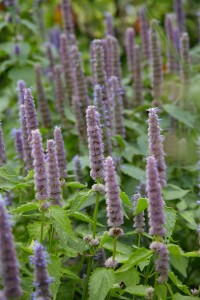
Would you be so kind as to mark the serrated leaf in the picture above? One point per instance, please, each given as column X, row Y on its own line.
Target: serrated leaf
column 173, row 192
column 183, row 116
column 192, row 254
column 107, row 243
column 84, row 217
column 142, row 204
column 181, row 297
column 55, row 270
column 75, row 185
column 34, row 230
column 133, row 171
column 80, row 198
column 170, row 221
column 189, row 217
column 130, row 277
column 161, row 291
column 58, row 214
column 138, row 290
column 139, row 255
column 125, row 199
column 100, row 283
column 178, row 283
column 25, row 208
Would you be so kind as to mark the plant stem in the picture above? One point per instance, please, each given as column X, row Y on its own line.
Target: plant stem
column 114, row 248
column 95, row 215
column 51, row 238
column 42, row 226
column 85, row 289
column 139, row 239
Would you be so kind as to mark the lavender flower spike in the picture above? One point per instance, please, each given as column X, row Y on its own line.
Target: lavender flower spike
column 95, row 144
column 109, row 24
column 42, row 279
column 9, row 264
column 185, row 58
column 68, row 25
column 30, row 113
column 139, row 223
column 20, row 88
column 155, row 144
column 180, row 15
column 60, row 152
column 114, row 206
column 156, row 203
column 53, row 174
column 19, row 143
column 162, row 263
column 80, row 121
column 137, row 75
column 144, row 32
column 156, row 62
column 2, row 147
column 40, row 175
column 129, row 43
column 78, row 172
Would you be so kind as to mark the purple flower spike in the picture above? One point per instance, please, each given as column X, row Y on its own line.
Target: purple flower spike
column 80, row 122
column 144, row 33
column 41, row 276
column 137, row 75
column 170, row 49
column 156, row 62
column 2, row 148
column 40, row 173
column 78, row 171
column 60, row 152
column 9, row 264
column 30, row 113
column 155, row 144
column 109, row 24
column 95, row 144
column 53, row 174
column 51, row 61
column 42, row 101
column 19, row 144
column 20, row 88
column 66, row 65
column 180, row 15
column 113, row 46
column 139, row 221
column 185, row 58
column 114, row 205
column 26, row 145
column 162, row 263
column 68, row 25
column 129, row 43
column 156, row 204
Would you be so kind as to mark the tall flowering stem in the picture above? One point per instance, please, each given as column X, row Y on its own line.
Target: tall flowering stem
column 185, row 58
column 19, row 143
column 144, row 33
column 139, row 218
column 156, row 63
column 60, row 152
column 42, row 101
column 20, row 88
column 129, row 44
column 80, row 122
column 42, row 279
column 68, row 25
column 170, row 45
column 109, row 24
column 180, row 15
column 2, row 147
column 162, row 262
column 156, row 204
column 113, row 46
column 155, row 144
column 78, row 172
column 9, row 264
column 51, row 61
column 53, row 174
column 95, row 144
column 137, row 77
column 30, row 113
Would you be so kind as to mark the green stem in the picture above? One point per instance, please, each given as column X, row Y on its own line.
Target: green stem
column 95, row 215
column 51, row 238
column 139, row 239
column 42, row 226
column 85, row 289
column 114, row 248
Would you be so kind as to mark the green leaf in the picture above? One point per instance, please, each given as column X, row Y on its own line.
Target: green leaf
column 26, row 207
column 179, row 262
column 178, row 283
column 107, row 243
column 80, row 198
column 189, row 218
column 142, row 204
column 161, row 291
column 170, row 221
column 139, row 255
column 84, row 217
column 70, row 274
column 133, row 171
column 75, row 185
column 55, row 270
column 192, row 254
column 138, row 290
column 34, row 230
column 130, row 277
column 125, row 199
column 101, row 281
column 181, row 297
column 120, row 141
column 173, row 192
column 183, row 116
column 58, row 214
column 31, row 26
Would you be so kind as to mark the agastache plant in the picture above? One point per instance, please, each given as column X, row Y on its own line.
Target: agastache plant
column 8, row 259
column 80, row 121
column 180, row 15
column 185, row 58
column 156, row 62
column 137, row 77
column 129, row 43
column 30, row 113
column 42, row 279
column 156, row 145
column 53, row 175
column 162, row 261
column 156, row 203
column 60, row 152
column 170, row 46
column 95, row 144
column 139, row 220
column 78, row 171
column 144, row 33
column 68, row 25
column 20, row 88
column 39, row 164
column 109, row 24
column 19, row 143
column 2, row 147
column 51, row 61
column 42, row 101
column 113, row 47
